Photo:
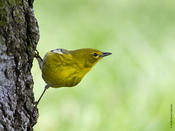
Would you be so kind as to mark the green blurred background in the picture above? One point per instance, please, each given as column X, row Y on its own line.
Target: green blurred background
column 132, row 89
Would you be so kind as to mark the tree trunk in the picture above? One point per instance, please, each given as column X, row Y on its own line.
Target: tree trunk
column 18, row 39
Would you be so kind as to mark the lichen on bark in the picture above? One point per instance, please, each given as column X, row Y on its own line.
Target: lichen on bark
column 19, row 36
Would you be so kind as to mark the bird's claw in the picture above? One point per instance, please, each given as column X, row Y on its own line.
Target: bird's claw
column 35, row 103
column 36, row 54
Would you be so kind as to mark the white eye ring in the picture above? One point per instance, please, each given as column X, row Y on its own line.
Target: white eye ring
column 60, row 51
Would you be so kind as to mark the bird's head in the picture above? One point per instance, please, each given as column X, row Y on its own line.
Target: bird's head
column 89, row 56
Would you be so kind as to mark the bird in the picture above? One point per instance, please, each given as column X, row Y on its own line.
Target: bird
column 66, row 68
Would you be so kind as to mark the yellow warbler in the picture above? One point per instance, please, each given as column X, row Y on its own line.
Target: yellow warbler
column 66, row 68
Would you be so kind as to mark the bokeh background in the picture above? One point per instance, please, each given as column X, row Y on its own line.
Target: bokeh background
column 132, row 89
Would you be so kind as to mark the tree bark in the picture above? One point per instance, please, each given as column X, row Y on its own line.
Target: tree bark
column 19, row 36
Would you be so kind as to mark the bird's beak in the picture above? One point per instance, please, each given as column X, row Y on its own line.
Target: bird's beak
column 105, row 54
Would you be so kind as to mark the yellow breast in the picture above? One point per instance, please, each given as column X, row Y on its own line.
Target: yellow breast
column 59, row 71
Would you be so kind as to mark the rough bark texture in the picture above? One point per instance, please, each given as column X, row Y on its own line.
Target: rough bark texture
column 18, row 39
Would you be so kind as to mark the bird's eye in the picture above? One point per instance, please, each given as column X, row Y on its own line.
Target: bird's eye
column 95, row 54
